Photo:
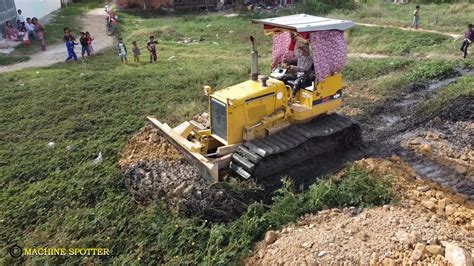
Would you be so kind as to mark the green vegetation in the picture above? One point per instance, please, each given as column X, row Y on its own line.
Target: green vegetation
column 463, row 87
column 364, row 69
column 12, row 59
column 451, row 18
column 152, row 235
column 66, row 17
column 392, row 41
column 429, row 70
column 56, row 197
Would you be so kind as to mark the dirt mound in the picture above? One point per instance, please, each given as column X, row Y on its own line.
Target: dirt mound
column 416, row 230
column 147, row 145
column 182, row 188
column 154, row 169
column 376, row 236
column 149, row 181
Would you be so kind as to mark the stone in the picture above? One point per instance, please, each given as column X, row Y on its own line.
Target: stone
column 441, row 204
column 322, row 253
column 402, row 237
column 457, row 255
column 428, row 204
column 426, row 149
column 421, row 247
column 433, row 241
column 415, row 237
column 179, row 189
column 439, row 194
column 434, row 249
column 395, row 158
column 461, row 169
column 450, row 209
column 270, row 237
column 423, row 188
column 307, row 245
column 416, row 255
column 432, row 136
column 364, row 237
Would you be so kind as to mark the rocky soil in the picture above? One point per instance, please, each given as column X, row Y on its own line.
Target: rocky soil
column 429, row 225
column 147, row 145
column 154, row 169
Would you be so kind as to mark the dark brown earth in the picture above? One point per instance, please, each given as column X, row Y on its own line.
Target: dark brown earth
column 154, row 170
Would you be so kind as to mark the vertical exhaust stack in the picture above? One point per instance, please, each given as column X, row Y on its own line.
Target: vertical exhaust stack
column 254, row 66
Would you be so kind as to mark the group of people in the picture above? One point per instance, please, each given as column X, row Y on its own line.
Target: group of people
column 24, row 30
column 150, row 45
column 468, row 34
column 85, row 40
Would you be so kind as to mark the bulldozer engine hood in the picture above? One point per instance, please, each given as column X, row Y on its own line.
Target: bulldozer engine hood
column 244, row 105
column 247, row 91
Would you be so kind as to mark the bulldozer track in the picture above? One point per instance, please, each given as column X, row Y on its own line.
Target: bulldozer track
column 267, row 157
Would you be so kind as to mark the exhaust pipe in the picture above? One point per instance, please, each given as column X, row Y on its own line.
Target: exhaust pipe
column 254, row 66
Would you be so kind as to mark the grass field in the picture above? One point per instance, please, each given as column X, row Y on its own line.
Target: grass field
column 451, row 18
column 56, row 197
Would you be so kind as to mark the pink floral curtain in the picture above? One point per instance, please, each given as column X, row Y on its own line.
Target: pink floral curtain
column 329, row 52
column 281, row 42
column 328, row 47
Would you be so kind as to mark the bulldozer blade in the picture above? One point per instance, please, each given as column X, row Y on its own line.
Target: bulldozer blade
column 206, row 167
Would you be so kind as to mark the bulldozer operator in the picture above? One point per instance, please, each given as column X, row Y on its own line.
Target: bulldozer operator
column 300, row 70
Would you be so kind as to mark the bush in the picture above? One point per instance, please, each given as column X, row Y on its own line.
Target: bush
column 363, row 69
column 429, row 70
column 356, row 188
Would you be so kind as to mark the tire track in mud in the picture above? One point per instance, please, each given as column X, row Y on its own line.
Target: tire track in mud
column 383, row 130
column 395, row 121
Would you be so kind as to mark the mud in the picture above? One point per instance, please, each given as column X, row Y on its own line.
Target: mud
column 181, row 187
column 155, row 170
column 395, row 128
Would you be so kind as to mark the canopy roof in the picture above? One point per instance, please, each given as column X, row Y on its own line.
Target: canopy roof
column 305, row 23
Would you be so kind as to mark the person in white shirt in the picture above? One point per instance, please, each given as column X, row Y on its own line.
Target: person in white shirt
column 30, row 28
column 20, row 17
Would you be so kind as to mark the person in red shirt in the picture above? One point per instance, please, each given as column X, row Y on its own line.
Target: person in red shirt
column 468, row 39
column 39, row 29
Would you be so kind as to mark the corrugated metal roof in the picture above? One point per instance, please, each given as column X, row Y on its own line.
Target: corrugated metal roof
column 307, row 23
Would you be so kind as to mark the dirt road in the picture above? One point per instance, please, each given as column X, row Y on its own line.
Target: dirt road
column 93, row 21
column 452, row 35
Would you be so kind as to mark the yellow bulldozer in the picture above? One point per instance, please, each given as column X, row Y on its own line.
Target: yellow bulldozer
column 262, row 126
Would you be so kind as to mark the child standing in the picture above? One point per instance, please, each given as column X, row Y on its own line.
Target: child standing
column 416, row 18
column 39, row 30
column 30, row 28
column 136, row 52
column 70, row 49
column 85, row 46
column 151, row 46
column 122, row 49
column 67, row 35
column 89, row 42
column 468, row 39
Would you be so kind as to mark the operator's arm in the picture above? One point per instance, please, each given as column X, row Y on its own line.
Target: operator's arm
column 304, row 64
